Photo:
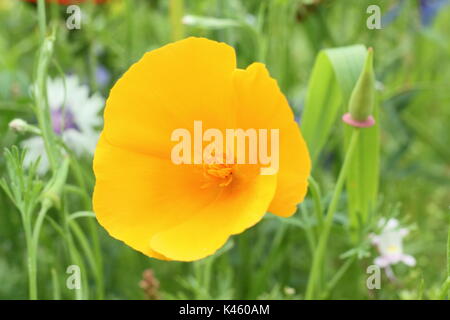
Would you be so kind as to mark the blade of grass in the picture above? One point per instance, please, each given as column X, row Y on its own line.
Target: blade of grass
column 363, row 178
column 176, row 9
column 315, row 273
column 333, row 77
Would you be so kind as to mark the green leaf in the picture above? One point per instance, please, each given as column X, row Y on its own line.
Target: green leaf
column 333, row 77
column 81, row 214
column 363, row 174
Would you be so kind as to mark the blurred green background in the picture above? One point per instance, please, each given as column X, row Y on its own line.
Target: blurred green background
column 271, row 260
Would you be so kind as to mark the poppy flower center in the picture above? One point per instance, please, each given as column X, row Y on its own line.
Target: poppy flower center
column 217, row 171
column 221, row 172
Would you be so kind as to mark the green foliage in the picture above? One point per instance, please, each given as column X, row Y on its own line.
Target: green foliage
column 316, row 51
column 333, row 77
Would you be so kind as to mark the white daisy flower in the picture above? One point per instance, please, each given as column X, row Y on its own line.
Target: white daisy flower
column 390, row 244
column 74, row 116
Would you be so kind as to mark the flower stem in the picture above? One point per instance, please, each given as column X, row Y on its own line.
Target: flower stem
column 317, row 198
column 130, row 27
column 32, row 287
column 92, row 226
column 32, row 254
column 176, row 9
column 323, row 238
column 337, row 277
column 42, row 18
column 55, row 285
column 42, row 109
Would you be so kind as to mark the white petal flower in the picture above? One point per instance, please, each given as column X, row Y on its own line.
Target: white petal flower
column 390, row 244
column 74, row 115
column 35, row 149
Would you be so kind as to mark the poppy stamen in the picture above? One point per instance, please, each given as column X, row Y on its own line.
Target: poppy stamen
column 216, row 169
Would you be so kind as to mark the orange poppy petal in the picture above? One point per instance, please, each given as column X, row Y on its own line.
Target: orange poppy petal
column 187, row 212
column 169, row 88
column 137, row 195
column 238, row 207
column 259, row 103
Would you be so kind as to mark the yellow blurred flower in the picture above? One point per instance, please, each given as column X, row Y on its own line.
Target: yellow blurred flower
column 6, row 5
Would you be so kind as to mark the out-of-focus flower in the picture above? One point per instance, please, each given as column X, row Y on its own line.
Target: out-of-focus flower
column 102, row 75
column 289, row 291
column 6, row 4
column 187, row 211
column 74, row 116
column 150, row 285
column 67, row 2
column 429, row 9
column 393, row 13
column 390, row 244
column 18, row 125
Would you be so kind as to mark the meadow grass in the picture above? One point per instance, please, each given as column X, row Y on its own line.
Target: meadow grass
column 400, row 168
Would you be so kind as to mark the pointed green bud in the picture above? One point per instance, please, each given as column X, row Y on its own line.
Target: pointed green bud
column 21, row 126
column 363, row 96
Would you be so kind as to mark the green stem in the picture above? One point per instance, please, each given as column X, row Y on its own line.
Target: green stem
column 92, row 226
column 263, row 273
column 42, row 18
column 310, row 236
column 130, row 27
column 337, row 277
column 55, row 285
column 317, row 198
column 90, row 39
column 323, row 239
column 176, row 9
column 33, row 247
column 207, row 275
column 42, row 109
column 92, row 66
column 75, row 258
column 90, row 255
column 445, row 290
column 32, row 287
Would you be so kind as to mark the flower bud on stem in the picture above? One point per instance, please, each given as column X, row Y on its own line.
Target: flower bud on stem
column 21, row 126
column 362, row 98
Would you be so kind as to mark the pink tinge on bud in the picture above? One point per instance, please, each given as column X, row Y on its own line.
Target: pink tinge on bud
column 347, row 118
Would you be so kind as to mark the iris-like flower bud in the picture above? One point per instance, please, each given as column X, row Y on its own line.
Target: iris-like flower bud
column 362, row 98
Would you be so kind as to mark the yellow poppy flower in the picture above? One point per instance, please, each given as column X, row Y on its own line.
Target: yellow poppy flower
column 185, row 211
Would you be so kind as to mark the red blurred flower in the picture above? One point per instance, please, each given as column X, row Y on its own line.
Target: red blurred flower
column 67, row 2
